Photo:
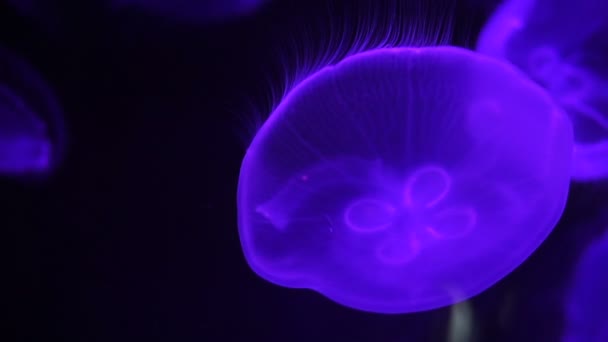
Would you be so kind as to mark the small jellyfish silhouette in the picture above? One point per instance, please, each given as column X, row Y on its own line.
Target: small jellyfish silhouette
column 586, row 315
column 31, row 130
column 401, row 176
column 193, row 11
column 561, row 44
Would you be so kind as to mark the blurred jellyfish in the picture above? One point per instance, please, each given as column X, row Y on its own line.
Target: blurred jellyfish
column 563, row 45
column 195, row 11
column 398, row 177
column 461, row 326
column 31, row 130
column 586, row 315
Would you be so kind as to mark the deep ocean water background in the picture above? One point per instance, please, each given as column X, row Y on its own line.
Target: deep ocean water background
column 134, row 237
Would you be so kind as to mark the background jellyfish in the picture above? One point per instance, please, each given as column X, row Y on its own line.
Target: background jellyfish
column 52, row 13
column 195, row 11
column 586, row 303
column 562, row 45
column 400, row 177
column 31, row 134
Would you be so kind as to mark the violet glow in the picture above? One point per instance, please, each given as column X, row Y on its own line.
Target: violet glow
column 561, row 44
column 31, row 127
column 404, row 179
column 586, row 317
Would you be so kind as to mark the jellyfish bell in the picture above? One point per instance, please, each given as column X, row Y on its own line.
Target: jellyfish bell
column 31, row 122
column 23, row 143
column 561, row 45
column 398, row 177
column 585, row 309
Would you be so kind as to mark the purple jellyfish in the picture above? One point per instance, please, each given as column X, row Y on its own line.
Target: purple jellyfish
column 586, row 315
column 31, row 134
column 197, row 11
column 404, row 179
column 562, row 45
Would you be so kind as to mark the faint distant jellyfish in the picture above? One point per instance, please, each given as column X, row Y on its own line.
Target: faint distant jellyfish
column 586, row 315
column 401, row 176
column 562, row 45
column 31, row 131
column 193, row 11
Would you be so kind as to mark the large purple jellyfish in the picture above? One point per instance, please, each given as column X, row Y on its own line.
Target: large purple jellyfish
column 404, row 179
column 587, row 318
column 200, row 11
column 563, row 45
column 31, row 134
